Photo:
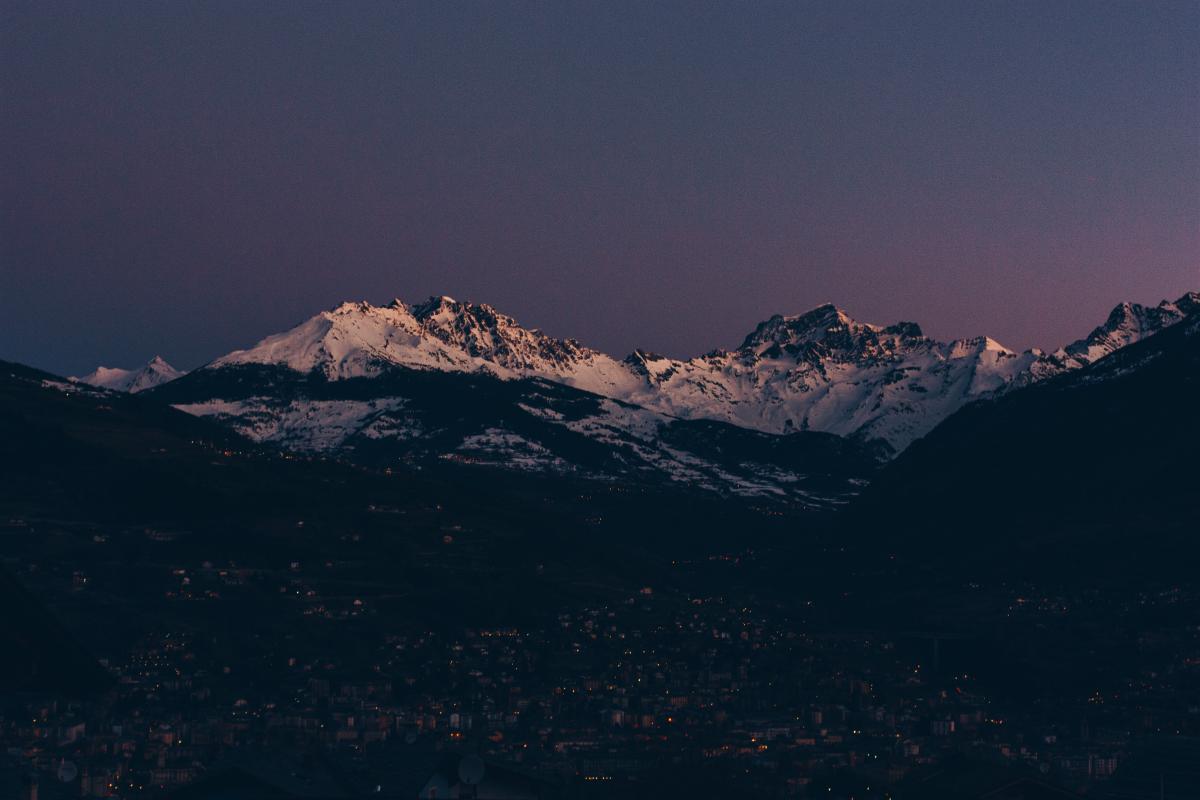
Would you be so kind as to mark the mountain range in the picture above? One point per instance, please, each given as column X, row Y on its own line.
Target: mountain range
column 445, row 379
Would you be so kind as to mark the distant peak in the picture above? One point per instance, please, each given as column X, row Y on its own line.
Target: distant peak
column 640, row 356
column 650, row 365
column 421, row 310
column 1128, row 323
column 1121, row 311
column 909, row 330
column 810, row 326
column 434, row 304
column 1153, row 317
column 824, row 313
column 351, row 307
column 1189, row 303
column 976, row 345
column 151, row 374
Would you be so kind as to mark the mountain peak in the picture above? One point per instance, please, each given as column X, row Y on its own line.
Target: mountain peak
column 440, row 333
column 1188, row 304
column 154, row 372
column 651, row 366
column 910, row 330
column 1127, row 323
column 824, row 315
column 1122, row 312
column 434, row 304
column 811, row 326
column 832, row 328
column 961, row 348
column 350, row 307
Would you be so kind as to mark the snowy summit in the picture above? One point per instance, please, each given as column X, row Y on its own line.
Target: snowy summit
column 821, row 370
column 154, row 373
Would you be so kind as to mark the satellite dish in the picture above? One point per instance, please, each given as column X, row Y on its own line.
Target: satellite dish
column 67, row 771
column 470, row 770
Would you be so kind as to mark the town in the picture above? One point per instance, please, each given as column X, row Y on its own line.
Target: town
column 656, row 688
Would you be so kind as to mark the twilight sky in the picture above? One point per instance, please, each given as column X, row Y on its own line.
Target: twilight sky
column 184, row 178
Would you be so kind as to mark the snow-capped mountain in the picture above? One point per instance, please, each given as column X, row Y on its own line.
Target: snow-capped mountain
column 460, row 381
column 1128, row 323
column 361, row 340
column 818, row 371
column 825, row 371
column 153, row 373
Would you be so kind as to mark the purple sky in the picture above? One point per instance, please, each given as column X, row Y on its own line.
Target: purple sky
column 186, row 178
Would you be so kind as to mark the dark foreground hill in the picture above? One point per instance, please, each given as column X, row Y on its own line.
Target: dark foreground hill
column 118, row 483
column 1094, row 472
